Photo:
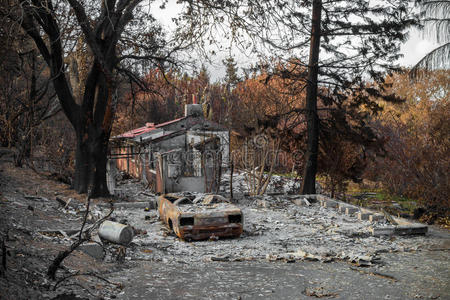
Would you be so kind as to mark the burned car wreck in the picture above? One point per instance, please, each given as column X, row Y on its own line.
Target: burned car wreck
column 193, row 218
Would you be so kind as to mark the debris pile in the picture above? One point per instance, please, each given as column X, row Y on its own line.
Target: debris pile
column 274, row 229
column 278, row 184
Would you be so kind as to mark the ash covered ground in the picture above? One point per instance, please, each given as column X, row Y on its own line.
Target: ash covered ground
column 274, row 229
column 285, row 252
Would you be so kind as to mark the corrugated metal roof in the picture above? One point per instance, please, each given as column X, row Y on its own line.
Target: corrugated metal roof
column 136, row 132
column 170, row 122
column 145, row 129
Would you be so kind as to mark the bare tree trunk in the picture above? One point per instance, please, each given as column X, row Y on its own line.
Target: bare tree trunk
column 231, row 177
column 90, row 165
column 276, row 147
column 4, row 253
column 309, row 174
column 219, row 171
column 93, row 131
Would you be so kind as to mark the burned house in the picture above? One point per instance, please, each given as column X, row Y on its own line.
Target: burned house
column 185, row 154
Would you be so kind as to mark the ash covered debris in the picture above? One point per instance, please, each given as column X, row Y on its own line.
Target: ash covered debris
column 278, row 184
column 274, row 229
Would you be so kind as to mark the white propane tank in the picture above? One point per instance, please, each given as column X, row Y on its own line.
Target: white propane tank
column 116, row 232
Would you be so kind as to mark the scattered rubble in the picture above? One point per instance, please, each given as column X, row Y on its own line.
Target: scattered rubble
column 93, row 249
column 319, row 292
column 277, row 227
column 278, row 184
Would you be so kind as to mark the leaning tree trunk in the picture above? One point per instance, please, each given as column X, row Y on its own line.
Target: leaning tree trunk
column 309, row 174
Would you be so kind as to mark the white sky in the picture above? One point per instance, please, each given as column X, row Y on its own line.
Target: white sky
column 414, row 49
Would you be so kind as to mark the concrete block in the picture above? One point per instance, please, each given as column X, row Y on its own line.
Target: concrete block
column 330, row 204
column 312, row 198
column 320, row 197
column 386, row 230
column 376, row 217
column 350, row 210
column 342, row 207
column 301, row 202
column 363, row 216
column 411, row 229
column 92, row 249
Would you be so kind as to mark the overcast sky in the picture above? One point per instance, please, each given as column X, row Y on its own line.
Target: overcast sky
column 413, row 49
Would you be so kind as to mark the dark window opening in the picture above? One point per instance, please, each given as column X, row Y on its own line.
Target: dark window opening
column 171, row 199
column 183, row 201
column 235, row 218
column 186, row 221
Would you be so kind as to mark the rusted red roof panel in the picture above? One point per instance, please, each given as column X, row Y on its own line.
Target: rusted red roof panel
column 149, row 127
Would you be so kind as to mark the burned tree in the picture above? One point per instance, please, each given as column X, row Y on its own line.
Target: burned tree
column 26, row 96
column 357, row 42
column 116, row 33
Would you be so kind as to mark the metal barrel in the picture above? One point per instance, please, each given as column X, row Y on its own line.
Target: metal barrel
column 116, row 232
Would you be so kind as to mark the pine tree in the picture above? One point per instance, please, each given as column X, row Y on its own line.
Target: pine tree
column 435, row 16
column 231, row 76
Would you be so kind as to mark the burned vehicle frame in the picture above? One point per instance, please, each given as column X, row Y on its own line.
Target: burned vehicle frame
column 201, row 220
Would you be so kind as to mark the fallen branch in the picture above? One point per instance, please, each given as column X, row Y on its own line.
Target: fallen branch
column 83, row 237
column 61, row 201
column 385, row 276
column 84, row 274
column 83, row 287
column 388, row 217
column 3, row 268
column 51, row 272
column 88, row 204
